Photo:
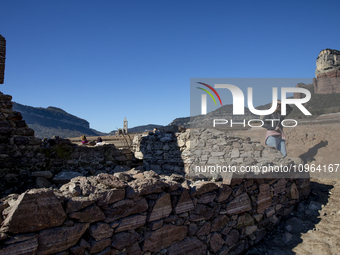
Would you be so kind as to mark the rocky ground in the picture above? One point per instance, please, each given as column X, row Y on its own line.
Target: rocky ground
column 315, row 227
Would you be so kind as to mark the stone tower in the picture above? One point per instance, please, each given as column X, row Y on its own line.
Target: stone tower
column 2, row 58
column 125, row 126
column 327, row 72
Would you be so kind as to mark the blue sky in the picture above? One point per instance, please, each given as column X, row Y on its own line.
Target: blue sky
column 106, row 60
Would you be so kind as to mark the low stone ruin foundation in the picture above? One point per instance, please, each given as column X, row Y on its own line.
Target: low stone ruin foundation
column 102, row 200
column 142, row 213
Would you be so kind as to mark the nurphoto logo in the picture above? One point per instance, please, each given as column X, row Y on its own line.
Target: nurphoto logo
column 217, row 90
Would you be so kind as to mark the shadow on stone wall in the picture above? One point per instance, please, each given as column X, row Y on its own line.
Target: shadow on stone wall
column 286, row 238
column 160, row 152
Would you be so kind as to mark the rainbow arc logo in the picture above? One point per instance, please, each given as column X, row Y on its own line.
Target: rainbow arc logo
column 204, row 97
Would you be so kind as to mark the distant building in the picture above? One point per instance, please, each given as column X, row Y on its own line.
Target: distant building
column 125, row 126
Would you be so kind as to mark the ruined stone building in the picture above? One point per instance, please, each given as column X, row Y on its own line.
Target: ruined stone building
column 2, row 58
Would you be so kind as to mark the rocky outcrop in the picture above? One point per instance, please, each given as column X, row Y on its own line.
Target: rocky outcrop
column 327, row 61
column 2, row 58
column 327, row 73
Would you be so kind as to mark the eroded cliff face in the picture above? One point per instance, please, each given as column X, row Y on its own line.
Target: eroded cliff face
column 327, row 61
column 327, row 72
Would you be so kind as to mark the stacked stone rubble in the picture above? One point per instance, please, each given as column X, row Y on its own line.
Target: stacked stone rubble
column 27, row 162
column 144, row 213
column 162, row 152
column 14, row 135
column 2, row 58
column 55, row 162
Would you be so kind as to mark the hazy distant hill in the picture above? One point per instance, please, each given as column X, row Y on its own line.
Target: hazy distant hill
column 51, row 121
column 317, row 105
column 224, row 112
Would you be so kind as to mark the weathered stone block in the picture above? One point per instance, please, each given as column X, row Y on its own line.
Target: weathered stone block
column 203, row 187
column 58, row 239
column 216, row 242
column 98, row 246
column 32, row 212
column 124, row 208
column 201, row 212
column 239, row 205
column 207, row 198
column 77, row 203
column 27, row 247
column 204, row 230
column 219, row 223
column 280, row 187
column 141, row 187
column 264, row 198
column 164, row 237
column 131, row 222
column 232, row 238
column 100, row 231
column 110, row 181
column 184, row 203
column 124, row 239
column 162, row 208
column 89, row 214
column 108, row 197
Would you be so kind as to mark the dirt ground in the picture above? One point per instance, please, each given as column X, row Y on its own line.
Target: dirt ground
column 315, row 227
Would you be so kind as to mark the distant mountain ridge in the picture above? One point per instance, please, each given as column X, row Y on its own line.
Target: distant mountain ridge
column 51, row 121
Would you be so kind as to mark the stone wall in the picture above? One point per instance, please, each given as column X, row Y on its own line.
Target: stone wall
column 138, row 212
column 28, row 162
column 98, row 203
column 167, row 153
column 2, row 58
column 327, row 73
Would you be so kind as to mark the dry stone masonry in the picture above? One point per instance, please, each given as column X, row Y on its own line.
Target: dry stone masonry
column 149, row 214
column 197, row 149
column 27, row 161
column 2, row 58
column 92, row 200
column 97, row 203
